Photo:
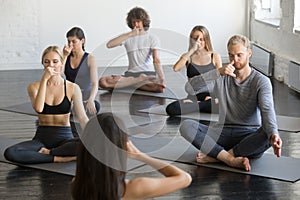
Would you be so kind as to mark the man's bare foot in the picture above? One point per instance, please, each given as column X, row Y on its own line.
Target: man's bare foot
column 44, row 151
column 61, row 159
column 240, row 162
column 202, row 158
column 236, row 162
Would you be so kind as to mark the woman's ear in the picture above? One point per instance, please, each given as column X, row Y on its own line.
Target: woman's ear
column 83, row 40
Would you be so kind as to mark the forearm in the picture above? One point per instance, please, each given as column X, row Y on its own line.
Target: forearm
column 93, row 92
column 266, row 105
column 165, row 168
column 159, row 71
column 80, row 112
column 118, row 40
column 40, row 97
column 183, row 60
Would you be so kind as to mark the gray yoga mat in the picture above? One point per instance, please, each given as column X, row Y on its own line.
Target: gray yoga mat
column 68, row 168
column 178, row 149
column 168, row 93
column 129, row 120
column 22, row 108
column 285, row 123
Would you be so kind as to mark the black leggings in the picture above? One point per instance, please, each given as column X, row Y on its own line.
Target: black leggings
column 59, row 140
column 179, row 107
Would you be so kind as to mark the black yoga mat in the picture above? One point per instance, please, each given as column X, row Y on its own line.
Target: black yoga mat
column 168, row 93
column 129, row 120
column 178, row 149
column 68, row 168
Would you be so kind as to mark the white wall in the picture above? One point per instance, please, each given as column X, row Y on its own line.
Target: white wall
column 282, row 41
column 31, row 25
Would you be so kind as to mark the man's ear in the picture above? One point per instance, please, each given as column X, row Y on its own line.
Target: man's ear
column 249, row 52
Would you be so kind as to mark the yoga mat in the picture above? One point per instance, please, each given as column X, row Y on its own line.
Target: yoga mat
column 161, row 110
column 284, row 123
column 23, row 108
column 68, row 168
column 129, row 120
column 178, row 149
column 168, row 93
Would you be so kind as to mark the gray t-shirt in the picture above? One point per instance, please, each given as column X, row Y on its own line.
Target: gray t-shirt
column 139, row 52
column 246, row 104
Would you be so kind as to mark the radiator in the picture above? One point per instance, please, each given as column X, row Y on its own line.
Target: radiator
column 262, row 60
column 294, row 76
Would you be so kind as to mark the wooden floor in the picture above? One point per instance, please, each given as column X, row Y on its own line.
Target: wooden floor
column 25, row 183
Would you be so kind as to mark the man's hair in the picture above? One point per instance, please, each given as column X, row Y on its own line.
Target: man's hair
column 239, row 39
column 138, row 13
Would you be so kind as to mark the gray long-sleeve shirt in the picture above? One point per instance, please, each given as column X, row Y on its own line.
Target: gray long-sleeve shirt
column 246, row 104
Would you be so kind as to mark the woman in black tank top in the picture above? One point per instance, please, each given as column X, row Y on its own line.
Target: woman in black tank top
column 51, row 98
column 200, row 58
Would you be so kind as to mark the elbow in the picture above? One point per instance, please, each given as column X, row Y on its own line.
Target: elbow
column 156, row 61
column 186, row 179
column 38, row 109
column 175, row 69
column 109, row 45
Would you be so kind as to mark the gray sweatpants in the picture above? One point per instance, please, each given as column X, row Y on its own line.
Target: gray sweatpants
column 247, row 142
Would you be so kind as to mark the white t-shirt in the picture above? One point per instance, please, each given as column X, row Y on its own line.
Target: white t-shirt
column 139, row 51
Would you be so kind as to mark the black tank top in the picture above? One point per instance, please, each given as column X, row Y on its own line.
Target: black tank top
column 63, row 108
column 195, row 70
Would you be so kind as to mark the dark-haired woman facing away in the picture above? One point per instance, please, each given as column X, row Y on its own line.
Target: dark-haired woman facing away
column 102, row 161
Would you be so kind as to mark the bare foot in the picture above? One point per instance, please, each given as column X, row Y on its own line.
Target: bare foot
column 160, row 88
column 202, row 158
column 44, row 151
column 187, row 101
column 145, row 78
column 240, row 162
column 61, row 159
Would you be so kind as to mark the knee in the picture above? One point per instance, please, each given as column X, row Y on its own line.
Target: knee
column 173, row 109
column 97, row 106
column 103, row 82
column 185, row 126
column 10, row 154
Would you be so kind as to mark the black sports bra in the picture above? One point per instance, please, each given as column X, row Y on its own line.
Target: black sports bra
column 63, row 108
column 195, row 70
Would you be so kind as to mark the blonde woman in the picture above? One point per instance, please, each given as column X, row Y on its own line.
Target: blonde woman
column 199, row 59
column 51, row 98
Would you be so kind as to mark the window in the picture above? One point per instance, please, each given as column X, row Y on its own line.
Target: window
column 297, row 16
column 268, row 11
